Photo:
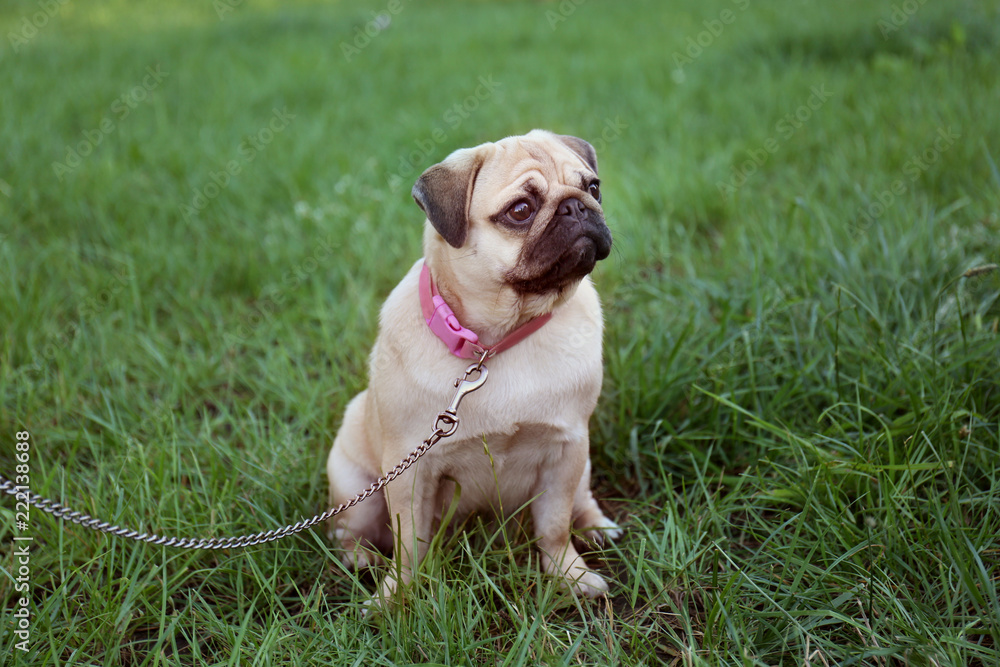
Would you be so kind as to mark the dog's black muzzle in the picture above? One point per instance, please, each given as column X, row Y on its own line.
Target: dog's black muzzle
column 567, row 250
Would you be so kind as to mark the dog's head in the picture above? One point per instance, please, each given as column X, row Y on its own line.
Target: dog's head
column 526, row 210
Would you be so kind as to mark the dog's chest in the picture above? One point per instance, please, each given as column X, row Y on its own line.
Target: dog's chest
column 526, row 390
column 524, row 420
column 498, row 471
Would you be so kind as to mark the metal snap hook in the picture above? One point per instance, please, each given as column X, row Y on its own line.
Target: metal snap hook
column 467, row 386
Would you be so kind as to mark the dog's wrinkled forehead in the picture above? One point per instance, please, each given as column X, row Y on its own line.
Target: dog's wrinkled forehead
column 538, row 154
column 475, row 176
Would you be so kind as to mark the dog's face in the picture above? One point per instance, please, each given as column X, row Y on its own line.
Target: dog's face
column 526, row 210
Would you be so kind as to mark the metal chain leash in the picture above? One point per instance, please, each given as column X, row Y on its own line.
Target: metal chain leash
column 444, row 426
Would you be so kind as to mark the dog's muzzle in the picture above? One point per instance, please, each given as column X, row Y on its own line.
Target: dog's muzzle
column 569, row 248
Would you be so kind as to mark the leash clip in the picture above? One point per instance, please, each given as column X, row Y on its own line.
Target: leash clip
column 447, row 422
column 477, row 372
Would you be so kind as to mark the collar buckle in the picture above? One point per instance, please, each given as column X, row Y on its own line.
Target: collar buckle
column 460, row 341
column 446, row 326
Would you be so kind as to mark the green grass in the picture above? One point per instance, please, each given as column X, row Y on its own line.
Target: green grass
column 800, row 425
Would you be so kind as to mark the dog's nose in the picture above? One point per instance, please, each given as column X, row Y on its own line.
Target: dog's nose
column 572, row 207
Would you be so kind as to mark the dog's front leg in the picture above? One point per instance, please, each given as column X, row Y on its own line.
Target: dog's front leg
column 552, row 512
column 410, row 500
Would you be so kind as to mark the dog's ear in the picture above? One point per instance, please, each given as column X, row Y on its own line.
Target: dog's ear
column 581, row 148
column 444, row 193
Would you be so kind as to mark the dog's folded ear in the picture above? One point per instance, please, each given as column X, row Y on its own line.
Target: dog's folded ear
column 581, row 148
column 444, row 192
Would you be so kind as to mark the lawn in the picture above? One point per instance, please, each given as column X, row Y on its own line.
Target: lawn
column 202, row 206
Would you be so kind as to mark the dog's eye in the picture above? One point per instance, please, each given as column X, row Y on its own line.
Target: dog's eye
column 521, row 211
column 595, row 191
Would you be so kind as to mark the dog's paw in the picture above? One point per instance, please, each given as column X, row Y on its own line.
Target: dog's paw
column 380, row 599
column 589, row 584
column 360, row 559
column 575, row 574
column 355, row 556
column 604, row 530
column 372, row 606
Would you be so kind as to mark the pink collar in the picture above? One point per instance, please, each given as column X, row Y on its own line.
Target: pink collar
column 463, row 342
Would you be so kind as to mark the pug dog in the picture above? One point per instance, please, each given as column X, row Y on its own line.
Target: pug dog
column 513, row 228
